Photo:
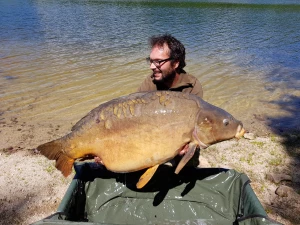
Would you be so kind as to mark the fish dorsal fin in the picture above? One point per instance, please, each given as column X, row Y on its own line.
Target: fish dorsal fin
column 188, row 155
column 144, row 179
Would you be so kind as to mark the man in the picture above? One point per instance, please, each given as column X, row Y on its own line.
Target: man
column 167, row 60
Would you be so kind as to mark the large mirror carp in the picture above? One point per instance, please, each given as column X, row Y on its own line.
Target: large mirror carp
column 143, row 130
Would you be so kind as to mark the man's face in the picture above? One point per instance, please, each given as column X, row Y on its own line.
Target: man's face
column 166, row 70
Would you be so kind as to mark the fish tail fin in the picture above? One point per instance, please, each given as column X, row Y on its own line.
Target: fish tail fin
column 54, row 151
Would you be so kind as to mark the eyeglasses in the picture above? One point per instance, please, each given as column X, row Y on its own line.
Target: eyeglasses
column 157, row 63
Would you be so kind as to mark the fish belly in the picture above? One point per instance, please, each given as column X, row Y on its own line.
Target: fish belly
column 142, row 147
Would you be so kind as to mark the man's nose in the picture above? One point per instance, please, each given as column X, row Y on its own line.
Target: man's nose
column 152, row 66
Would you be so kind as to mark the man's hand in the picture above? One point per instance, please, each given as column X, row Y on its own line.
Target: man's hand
column 98, row 160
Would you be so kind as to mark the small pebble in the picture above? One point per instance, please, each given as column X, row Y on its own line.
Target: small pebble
column 36, row 151
column 283, row 191
column 249, row 136
column 277, row 178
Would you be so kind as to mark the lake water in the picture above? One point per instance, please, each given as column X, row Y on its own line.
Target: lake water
column 59, row 58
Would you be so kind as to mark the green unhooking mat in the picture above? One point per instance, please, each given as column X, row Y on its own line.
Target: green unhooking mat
column 194, row 196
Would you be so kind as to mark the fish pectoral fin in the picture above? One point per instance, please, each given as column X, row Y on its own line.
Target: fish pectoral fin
column 188, row 155
column 144, row 179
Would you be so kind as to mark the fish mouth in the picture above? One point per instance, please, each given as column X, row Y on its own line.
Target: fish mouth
column 240, row 131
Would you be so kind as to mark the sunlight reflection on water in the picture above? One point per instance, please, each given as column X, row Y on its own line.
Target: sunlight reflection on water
column 61, row 59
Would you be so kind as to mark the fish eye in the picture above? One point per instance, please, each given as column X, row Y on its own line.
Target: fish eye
column 225, row 122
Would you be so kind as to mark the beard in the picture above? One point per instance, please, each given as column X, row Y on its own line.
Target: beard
column 166, row 77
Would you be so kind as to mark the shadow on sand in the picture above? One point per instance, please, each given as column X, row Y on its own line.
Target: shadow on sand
column 287, row 127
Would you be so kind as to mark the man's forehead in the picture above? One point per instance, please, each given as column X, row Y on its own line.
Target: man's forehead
column 162, row 48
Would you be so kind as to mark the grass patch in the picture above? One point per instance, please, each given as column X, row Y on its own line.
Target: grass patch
column 50, row 169
column 276, row 162
column 268, row 211
column 258, row 143
column 273, row 138
column 273, row 152
column 248, row 159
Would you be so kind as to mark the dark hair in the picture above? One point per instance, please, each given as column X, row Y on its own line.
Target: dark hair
column 177, row 50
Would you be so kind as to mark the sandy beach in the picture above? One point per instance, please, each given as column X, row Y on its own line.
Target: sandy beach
column 31, row 188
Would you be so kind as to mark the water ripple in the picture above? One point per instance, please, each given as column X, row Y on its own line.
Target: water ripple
column 61, row 59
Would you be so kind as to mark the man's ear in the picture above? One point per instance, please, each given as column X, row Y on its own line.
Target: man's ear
column 176, row 64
